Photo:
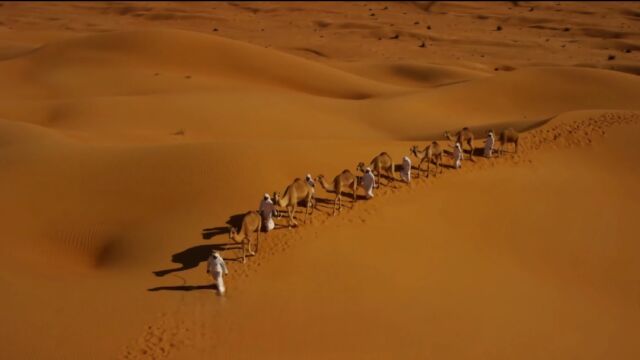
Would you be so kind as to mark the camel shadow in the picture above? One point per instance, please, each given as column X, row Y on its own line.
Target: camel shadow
column 234, row 220
column 398, row 168
column 184, row 288
column 323, row 203
column 347, row 198
column 478, row 151
column 193, row 256
column 324, row 209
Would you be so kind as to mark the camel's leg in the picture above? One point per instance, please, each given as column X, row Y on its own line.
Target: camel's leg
column 470, row 147
column 249, row 242
column 437, row 166
column 244, row 250
column 379, row 175
column 291, row 214
column 335, row 203
column 428, row 166
column 308, row 209
column 312, row 203
column 354, row 187
column 258, row 239
column 516, row 142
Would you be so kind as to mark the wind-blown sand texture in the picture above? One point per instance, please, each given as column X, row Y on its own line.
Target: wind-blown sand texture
column 132, row 134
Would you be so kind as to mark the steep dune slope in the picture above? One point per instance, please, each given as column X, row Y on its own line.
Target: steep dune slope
column 497, row 263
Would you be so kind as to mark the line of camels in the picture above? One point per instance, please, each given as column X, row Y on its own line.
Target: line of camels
column 299, row 191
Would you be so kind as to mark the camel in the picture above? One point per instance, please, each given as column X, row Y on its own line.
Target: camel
column 507, row 136
column 344, row 180
column 297, row 191
column 379, row 164
column 251, row 222
column 432, row 152
column 465, row 136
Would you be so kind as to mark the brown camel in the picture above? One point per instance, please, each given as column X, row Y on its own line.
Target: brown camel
column 379, row 165
column 432, row 152
column 507, row 136
column 250, row 223
column 294, row 193
column 464, row 136
column 344, row 180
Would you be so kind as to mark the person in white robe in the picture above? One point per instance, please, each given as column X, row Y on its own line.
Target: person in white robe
column 266, row 210
column 488, row 144
column 216, row 267
column 457, row 155
column 311, row 183
column 368, row 182
column 405, row 174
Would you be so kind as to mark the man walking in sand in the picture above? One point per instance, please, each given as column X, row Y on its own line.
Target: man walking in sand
column 368, row 182
column 215, row 267
column 488, row 144
column 405, row 174
column 266, row 210
column 311, row 183
column 457, row 155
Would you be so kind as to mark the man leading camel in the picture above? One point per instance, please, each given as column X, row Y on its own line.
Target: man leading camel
column 457, row 155
column 216, row 267
column 311, row 183
column 368, row 182
column 488, row 144
column 405, row 174
column 267, row 210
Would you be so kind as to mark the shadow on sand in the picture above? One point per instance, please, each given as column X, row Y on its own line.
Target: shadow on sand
column 193, row 256
column 184, row 288
column 234, row 220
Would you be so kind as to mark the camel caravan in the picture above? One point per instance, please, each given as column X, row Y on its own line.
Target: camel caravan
column 301, row 192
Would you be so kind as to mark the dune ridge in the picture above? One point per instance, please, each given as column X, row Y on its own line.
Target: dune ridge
column 215, row 82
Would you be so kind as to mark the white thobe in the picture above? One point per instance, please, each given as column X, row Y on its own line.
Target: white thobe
column 266, row 212
column 368, row 182
column 457, row 156
column 312, row 184
column 406, row 170
column 488, row 145
column 216, row 267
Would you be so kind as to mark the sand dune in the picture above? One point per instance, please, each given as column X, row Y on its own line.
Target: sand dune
column 223, row 59
column 92, row 99
column 128, row 129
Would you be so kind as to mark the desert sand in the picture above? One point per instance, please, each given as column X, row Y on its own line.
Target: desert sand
column 133, row 134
